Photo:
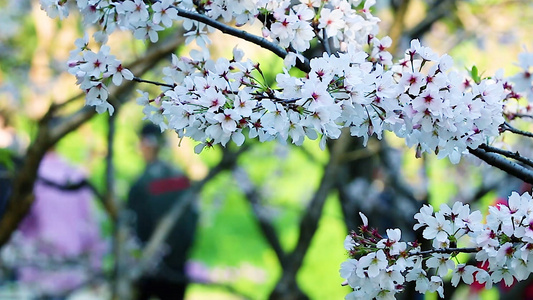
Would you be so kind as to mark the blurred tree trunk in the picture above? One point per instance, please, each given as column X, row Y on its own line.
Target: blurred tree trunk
column 287, row 287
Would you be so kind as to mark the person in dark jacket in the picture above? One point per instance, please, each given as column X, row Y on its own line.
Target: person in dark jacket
column 150, row 198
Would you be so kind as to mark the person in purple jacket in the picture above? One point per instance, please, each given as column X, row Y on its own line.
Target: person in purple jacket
column 58, row 247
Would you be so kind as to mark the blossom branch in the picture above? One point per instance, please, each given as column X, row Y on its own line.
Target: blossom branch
column 499, row 242
column 260, row 41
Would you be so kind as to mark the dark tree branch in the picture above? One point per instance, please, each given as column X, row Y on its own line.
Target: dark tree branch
column 507, row 127
column 110, row 169
column 55, row 106
column 254, row 198
column 393, row 173
column 445, row 251
column 97, row 194
column 110, row 199
column 286, row 288
column 260, row 41
column 509, row 154
column 503, row 164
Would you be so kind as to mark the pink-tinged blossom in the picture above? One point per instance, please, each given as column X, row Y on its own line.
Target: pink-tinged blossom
column 228, row 120
column 502, row 273
column 244, row 104
column 95, row 63
column 147, row 30
column 392, row 243
column 372, row 264
column 212, row 99
column 164, row 13
column 118, row 72
column 136, row 10
column 463, row 272
column 438, row 228
column 413, row 81
column 61, row 227
column 332, row 21
column 442, row 263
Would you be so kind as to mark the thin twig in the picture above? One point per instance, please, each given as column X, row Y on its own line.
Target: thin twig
column 153, row 82
column 507, row 127
column 524, row 116
column 446, row 251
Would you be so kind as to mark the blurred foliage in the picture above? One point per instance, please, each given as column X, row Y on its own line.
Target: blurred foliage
column 6, row 159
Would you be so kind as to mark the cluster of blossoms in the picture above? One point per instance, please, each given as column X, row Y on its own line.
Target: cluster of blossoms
column 380, row 267
column 523, row 82
column 91, row 69
column 297, row 25
column 287, row 24
column 215, row 101
column 441, row 111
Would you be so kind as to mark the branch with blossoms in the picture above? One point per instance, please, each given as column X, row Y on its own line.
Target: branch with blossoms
column 355, row 84
column 380, row 267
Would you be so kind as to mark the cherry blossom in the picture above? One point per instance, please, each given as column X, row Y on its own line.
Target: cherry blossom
column 506, row 253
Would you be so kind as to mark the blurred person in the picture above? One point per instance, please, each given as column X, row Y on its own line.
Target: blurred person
column 57, row 247
column 150, row 198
